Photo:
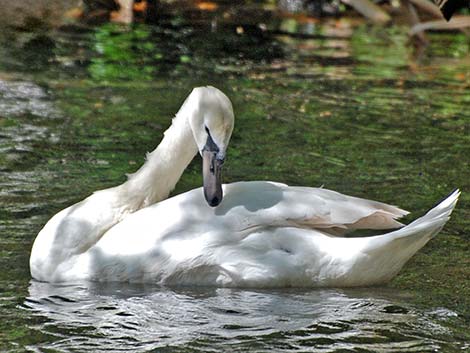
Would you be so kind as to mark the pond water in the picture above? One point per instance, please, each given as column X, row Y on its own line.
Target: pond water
column 349, row 107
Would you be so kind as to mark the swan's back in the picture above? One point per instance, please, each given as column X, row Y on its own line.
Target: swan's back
column 263, row 235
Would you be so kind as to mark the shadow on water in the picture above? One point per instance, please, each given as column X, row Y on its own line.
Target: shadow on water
column 145, row 317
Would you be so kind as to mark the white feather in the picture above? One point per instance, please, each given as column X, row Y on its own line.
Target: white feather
column 263, row 234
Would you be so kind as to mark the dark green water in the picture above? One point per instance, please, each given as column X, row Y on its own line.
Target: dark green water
column 351, row 109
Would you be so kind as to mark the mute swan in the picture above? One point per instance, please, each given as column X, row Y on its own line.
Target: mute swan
column 263, row 234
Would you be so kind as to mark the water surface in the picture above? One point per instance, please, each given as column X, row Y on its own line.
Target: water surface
column 350, row 108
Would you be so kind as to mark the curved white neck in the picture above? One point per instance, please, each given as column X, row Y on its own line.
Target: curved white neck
column 155, row 180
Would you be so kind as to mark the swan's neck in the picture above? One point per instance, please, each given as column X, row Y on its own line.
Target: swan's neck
column 155, row 180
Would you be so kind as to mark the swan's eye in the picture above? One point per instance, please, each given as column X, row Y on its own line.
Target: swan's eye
column 210, row 145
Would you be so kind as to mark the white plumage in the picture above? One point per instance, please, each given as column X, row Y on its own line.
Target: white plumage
column 263, row 234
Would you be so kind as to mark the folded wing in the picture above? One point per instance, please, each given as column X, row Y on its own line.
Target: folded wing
column 265, row 204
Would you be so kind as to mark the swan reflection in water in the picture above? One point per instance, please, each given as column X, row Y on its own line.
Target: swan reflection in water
column 117, row 316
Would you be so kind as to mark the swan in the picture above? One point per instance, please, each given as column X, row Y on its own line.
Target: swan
column 243, row 234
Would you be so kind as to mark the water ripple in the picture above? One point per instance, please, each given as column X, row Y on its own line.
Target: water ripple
column 143, row 317
column 17, row 98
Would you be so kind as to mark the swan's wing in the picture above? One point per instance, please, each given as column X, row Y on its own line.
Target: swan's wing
column 183, row 232
column 263, row 204
column 254, row 239
column 246, row 207
column 350, row 213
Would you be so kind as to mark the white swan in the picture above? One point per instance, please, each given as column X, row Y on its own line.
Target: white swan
column 262, row 234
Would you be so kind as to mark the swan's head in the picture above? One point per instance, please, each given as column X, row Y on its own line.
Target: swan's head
column 212, row 124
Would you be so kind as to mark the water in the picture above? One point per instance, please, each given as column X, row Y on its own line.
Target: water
column 126, row 318
column 351, row 108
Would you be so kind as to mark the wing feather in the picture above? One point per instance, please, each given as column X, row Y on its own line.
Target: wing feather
column 263, row 204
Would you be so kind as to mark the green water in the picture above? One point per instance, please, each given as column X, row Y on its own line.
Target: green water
column 348, row 108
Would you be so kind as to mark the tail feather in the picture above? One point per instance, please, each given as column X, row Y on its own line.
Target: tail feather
column 409, row 239
column 433, row 221
column 387, row 253
column 446, row 206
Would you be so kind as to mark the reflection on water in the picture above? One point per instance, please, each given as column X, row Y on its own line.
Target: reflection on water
column 139, row 318
column 19, row 97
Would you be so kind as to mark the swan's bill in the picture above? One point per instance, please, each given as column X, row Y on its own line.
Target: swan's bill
column 212, row 175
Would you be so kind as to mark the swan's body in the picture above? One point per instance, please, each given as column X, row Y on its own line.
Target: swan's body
column 263, row 234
